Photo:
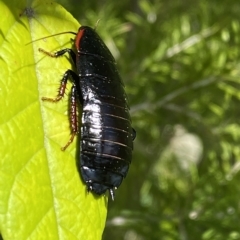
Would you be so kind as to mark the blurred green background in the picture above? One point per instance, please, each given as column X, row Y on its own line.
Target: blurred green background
column 180, row 61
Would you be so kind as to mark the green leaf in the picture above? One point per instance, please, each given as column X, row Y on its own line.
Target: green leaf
column 41, row 193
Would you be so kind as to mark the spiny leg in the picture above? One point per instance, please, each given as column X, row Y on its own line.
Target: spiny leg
column 73, row 102
column 73, row 116
column 62, row 88
column 60, row 53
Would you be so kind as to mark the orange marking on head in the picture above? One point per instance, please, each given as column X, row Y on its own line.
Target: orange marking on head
column 78, row 39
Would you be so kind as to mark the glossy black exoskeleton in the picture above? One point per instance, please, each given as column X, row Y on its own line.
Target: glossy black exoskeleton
column 106, row 142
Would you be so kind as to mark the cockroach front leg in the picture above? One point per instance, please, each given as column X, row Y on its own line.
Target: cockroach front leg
column 60, row 53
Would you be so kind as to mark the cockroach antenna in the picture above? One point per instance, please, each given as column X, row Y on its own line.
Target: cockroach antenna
column 68, row 32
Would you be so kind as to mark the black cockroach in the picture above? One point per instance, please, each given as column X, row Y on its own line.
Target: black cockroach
column 106, row 134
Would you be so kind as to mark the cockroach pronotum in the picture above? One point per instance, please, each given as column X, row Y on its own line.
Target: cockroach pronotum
column 106, row 142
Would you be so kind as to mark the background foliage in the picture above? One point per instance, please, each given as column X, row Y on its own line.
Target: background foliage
column 180, row 63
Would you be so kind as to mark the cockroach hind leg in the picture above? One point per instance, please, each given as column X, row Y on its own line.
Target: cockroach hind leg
column 69, row 142
column 111, row 191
